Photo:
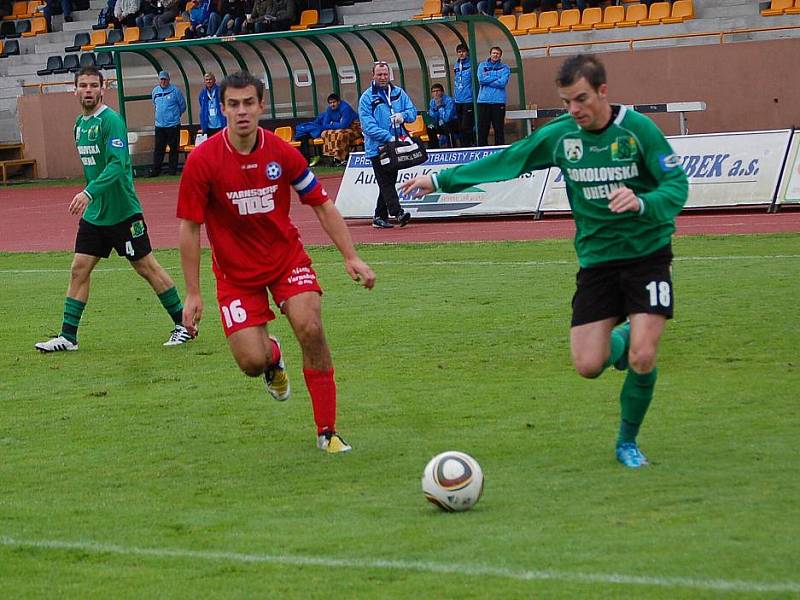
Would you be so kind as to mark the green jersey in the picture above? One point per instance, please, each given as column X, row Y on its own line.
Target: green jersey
column 102, row 141
column 630, row 152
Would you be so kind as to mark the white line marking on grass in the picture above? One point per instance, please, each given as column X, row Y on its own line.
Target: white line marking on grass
column 468, row 570
column 444, row 263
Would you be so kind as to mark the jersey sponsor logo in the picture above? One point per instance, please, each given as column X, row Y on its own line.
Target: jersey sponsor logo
column 249, row 166
column 137, row 228
column 600, row 174
column 273, row 170
column 301, row 276
column 669, row 161
column 253, row 202
column 573, row 149
column 623, row 148
column 116, row 143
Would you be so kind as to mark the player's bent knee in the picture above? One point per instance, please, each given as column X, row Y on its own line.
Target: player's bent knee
column 588, row 368
column 252, row 366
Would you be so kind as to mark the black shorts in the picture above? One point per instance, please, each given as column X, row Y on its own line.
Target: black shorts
column 624, row 287
column 128, row 238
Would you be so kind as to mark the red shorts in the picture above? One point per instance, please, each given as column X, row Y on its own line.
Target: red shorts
column 241, row 306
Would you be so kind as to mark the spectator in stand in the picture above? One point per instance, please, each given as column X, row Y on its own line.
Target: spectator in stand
column 529, row 6
column 55, row 7
column 493, row 77
column 444, row 121
column 201, row 18
column 463, row 96
column 231, row 21
column 125, row 12
column 164, row 13
column 6, row 8
column 211, row 118
column 272, row 15
column 148, row 11
column 169, row 105
column 454, row 7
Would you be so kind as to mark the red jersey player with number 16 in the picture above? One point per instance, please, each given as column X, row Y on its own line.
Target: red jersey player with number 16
column 238, row 183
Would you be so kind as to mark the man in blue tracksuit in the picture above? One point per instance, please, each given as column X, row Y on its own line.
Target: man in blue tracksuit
column 442, row 113
column 382, row 109
column 211, row 118
column 463, row 96
column 169, row 105
column 493, row 77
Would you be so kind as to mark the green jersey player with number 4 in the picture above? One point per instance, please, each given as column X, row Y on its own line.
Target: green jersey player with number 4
column 625, row 188
column 111, row 216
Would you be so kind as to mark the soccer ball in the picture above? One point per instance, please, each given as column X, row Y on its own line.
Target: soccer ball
column 453, row 481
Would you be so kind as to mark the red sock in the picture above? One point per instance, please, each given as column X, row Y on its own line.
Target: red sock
column 322, row 389
column 276, row 352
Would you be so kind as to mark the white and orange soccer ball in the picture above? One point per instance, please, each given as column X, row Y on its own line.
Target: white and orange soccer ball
column 453, row 481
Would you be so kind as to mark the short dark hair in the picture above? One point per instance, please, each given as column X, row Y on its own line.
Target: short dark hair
column 586, row 66
column 437, row 86
column 498, row 48
column 241, row 80
column 334, row 97
column 92, row 71
column 461, row 47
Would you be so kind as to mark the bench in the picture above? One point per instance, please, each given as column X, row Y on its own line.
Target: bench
column 13, row 162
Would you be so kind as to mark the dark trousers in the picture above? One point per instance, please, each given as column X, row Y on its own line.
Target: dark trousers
column 212, row 130
column 465, row 116
column 388, row 202
column 494, row 115
column 448, row 130
column 165, row 136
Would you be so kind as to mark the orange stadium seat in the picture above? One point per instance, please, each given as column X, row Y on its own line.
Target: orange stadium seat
column 547, row 20
column 38, row 25
column 776, row 7
column 308, row 18
column 589, row 18
column 525, row 22
column 181, row 27
column 569, row 17
column 681, row 11
column 658, row 11
column 633, row 14
column 33, row 8
column 97, row 38
column 131, row 35
column 286, row 134
column 508, row 21
column 430, row 8
column 795, row 10
column 611, row 16
column 19, row 11
column 417, row 128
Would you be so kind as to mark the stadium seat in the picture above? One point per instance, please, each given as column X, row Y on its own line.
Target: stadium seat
column 10, row 48
column 20, row 27
column 569, row 17
column 87, row 59
column 105, row 60
column 327, row 18
column 113, row 36
column 146, row 34
column 795, row 10
column 681, row 11
column 611, row 16
column 81, row 39
column 525, row 22
column 430, row 8
column 658, row 11
column 185, row 142
column 7, row 29
column 547, row 20
column 38, row 25
column 54, row 63
column 71, row 63
column 776, row 7
column 32, row 9
column 164, row 32
column 633, row 14
column 97, row 38
column 308, row 18
column 589, row 18
column 18, row 11
column 418, row 129
column 286, row 134
column 181, row 27
column 508, row 21
column 129, row 36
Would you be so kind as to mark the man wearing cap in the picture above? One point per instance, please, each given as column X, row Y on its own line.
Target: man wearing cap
column 169, row 105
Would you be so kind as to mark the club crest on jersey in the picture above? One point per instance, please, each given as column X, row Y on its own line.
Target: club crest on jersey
column 623, row 148
column 91, row 134
column 573, row 149
column 273, row 170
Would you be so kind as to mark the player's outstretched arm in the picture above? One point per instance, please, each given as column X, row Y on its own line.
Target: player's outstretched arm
column 418, row 187
column 189, row 244
column 332, row 222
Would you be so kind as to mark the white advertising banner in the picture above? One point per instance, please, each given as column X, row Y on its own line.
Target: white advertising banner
column 790, row 185
column 358, row 191
column 724, row 169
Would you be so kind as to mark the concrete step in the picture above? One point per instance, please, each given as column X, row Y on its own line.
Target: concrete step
column 377, row 17
column 84, row 19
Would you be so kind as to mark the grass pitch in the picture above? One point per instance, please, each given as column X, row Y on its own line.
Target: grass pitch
column 129, row 470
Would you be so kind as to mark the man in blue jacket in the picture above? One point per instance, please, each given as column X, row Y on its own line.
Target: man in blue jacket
column 463, row 96
column 383, row 108
column 493, row 77
column 169, row 104
column 211, row 118
column 443, row 121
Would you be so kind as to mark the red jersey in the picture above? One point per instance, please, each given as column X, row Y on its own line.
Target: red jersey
column 243, row 200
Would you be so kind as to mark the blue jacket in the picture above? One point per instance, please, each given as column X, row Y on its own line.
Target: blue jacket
column 205, row 102
column 493, row 77
column 375, row 114
column 462, row 82
column 341, row 118
column 170, row 105
column 444, row 113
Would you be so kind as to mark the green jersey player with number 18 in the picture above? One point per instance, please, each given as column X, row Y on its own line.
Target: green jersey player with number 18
column 625, row 187
column 111, row 215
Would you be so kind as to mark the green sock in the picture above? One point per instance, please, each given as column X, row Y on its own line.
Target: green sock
column 171, row 302
column 620, row 344
column 73, row 309
column 637, row 392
